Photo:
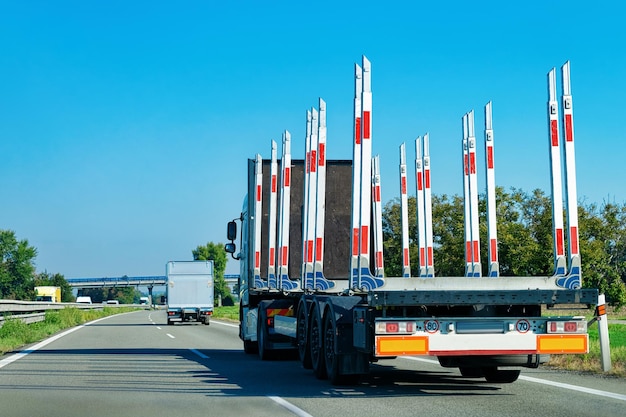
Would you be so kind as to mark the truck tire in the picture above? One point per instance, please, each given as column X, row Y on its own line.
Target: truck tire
column 261, row 334
column 501, row 376
column 304, row 350
column 316, row 342
column 207, row 320
column 470, row 372
column 331, row 359
column 250, row 347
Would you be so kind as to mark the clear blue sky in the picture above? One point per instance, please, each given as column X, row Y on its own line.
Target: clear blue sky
column 125, row 125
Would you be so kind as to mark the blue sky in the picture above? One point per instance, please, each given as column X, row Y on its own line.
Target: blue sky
column 125, row 126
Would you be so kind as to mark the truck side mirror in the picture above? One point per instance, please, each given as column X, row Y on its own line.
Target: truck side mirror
column 231, row 232
column 229, row 248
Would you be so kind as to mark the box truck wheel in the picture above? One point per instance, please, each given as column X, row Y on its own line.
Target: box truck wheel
column 304, row 350
column 316, row 342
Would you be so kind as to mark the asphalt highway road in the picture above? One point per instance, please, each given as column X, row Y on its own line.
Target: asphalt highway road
column 135, row 365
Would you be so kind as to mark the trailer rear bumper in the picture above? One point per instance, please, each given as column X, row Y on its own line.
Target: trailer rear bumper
column 481, row 344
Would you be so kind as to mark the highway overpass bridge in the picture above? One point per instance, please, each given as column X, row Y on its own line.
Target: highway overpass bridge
column 146, row 281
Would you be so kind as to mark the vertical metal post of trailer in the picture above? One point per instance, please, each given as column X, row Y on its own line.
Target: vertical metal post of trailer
column 404, row 210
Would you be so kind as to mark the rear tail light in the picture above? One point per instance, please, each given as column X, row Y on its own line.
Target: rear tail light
column 567, row 327
column 395, row 327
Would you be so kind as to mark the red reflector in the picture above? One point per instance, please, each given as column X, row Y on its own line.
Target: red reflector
column 570, row 327
column 553, row 327
column 409, row 327
column 392, row 327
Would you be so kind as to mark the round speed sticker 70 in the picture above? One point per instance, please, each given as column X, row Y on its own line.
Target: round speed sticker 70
column 522, row 326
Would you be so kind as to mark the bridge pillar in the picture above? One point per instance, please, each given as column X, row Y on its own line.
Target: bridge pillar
column 150, row 295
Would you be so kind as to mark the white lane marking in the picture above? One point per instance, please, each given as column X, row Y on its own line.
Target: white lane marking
column 170, row 336
column 297, row 411
column 223, row 323
column 197, row 352
column 545, row 382
column 159, row 327
column 20, row 355
column 575, row 388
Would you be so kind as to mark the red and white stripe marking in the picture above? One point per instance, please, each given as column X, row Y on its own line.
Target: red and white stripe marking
column 492, row 230
column 555, row 176
column 356, row 178
column 421, row 219
column 404, row 213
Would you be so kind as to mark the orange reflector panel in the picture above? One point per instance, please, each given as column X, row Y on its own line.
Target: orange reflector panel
column 562, row 343
column 271, row 312
column 401, row 345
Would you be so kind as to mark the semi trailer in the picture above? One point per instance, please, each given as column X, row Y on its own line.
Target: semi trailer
column 312, row 275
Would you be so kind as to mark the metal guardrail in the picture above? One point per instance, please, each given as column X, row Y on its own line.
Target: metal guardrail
column 34, row 311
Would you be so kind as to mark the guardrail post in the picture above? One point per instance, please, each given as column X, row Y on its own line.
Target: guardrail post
column 603, row 333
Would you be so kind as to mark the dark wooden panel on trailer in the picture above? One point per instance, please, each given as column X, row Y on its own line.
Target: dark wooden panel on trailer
column 337, row 222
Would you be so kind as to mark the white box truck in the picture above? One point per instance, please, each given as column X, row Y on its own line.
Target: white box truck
column 189, row 291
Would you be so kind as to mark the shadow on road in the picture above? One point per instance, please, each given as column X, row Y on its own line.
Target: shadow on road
column 233, row 373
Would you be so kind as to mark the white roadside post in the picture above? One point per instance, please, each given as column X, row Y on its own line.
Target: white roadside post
column 603, row 333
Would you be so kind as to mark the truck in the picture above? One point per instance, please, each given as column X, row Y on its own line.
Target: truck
column 48, row 293
column 312, row 276
column 189, row 291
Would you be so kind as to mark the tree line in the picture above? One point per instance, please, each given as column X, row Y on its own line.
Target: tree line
column 525, row 246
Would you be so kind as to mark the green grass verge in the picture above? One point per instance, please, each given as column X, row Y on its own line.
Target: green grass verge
column 592, row 361
column 227, row 313
column 15, row 334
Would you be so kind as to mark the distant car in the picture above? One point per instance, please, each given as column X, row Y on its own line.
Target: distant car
column 83, row 300
column 112, row 302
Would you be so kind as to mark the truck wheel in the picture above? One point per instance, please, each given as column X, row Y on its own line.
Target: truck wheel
column 304, row 350
column 250, row 347
column 501, row 376
column 330, row 357
column 316, row 342
column 169, row 322
column 207, row 320
column 468, row 372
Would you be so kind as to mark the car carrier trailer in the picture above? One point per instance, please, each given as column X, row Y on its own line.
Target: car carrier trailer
column 312, row 267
